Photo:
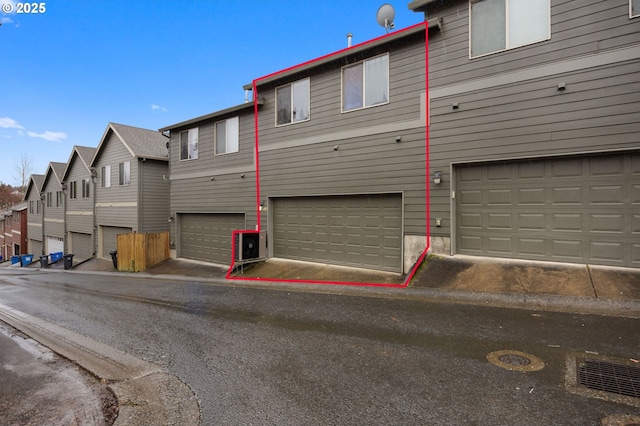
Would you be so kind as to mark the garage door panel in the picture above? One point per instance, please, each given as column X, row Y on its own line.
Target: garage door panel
column 572, row 209
column 208, row 236
column 359, row 230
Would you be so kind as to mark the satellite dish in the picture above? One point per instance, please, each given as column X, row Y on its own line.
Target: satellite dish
column 385, row 16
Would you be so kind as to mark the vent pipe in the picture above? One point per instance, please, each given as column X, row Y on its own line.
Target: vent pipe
column 246, row 96
column 349, row 37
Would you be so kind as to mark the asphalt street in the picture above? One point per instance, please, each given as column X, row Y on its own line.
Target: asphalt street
column 272, row 356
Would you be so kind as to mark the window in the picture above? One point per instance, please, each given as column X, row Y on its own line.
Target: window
column 49, row 199
column 73, row 191
column 189, row 144
column 634, row 8
column 497, row 25
column 38, row 206
column 59, row 198
column 227, row 136
column 292, row 102
column 106, row 177
column 366, row 83
column 85, row 188
column 124, row 173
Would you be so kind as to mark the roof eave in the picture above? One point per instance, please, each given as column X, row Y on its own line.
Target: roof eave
column 210, row 116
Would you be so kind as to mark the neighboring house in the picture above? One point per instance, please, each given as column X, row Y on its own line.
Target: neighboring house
column 79, row 216
column 54, row 208
column 18, row 239
column 535, row 129
column 213, row 182
column 132, row 187
column 342, row 155
column 35, row 229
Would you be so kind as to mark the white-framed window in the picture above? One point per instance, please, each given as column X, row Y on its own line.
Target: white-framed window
column 498, row 25
column 366, row 83
column 105, row 181
column 73, row 192
column 189, row 144
column 124, row 173
column 227, row 136
column 86, row 188
column 49, row 199
column 59, row 198
column 634, row 8
column 293, row 102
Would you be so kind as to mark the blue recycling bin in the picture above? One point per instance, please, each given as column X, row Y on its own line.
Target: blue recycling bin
column 55, row 256
column 26, row 259
column 15, row 259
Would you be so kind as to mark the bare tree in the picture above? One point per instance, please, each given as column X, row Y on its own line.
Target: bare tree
column 23, row 170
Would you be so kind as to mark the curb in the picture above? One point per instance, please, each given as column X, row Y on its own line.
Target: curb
column 146, row 393
column 547, row 302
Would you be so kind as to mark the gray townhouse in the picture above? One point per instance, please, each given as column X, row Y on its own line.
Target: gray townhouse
column 132, row 184
column 342, row 155
column 213, row 182
column 79, row 215
column 535, row 129
column 53, row 208
column 35, row 228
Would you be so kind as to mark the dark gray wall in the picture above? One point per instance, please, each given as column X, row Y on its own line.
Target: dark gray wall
column 509, row 105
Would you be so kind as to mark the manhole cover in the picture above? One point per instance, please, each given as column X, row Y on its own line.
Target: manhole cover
column 515, row 360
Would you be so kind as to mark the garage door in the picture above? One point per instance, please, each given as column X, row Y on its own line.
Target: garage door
column 110, row 238
column 207, row 237
column 361, row 231
column 80, row 245
column 55, row 245
column 583, row 210
column 35, row 247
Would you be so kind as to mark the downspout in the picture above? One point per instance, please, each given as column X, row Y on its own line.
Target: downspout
column 140, row 208
column 94, row 240
column 42, row 197
column 65, row 247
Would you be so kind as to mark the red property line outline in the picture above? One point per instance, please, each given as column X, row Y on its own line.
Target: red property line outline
column 414, row 269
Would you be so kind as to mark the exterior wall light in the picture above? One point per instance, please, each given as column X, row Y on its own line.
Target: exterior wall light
column 437, row 177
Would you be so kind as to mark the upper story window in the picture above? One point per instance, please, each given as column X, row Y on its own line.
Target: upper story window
column 227, row 136
column 634, row 8
column 124, row 173
column 85, row 188
column 366, row 83
column 49, row 199
column 31, row 207
column 73, row 192
column 293, row 102
column 189, row 144
column 497, row 25
column 59, row 198
column 105, row 181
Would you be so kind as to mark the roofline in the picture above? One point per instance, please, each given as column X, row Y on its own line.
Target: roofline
column 349, row 51
column 220, row 113
column 74, row 151
column 419, row 5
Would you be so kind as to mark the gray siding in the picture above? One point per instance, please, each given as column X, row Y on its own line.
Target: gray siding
column 192, row 188
column 154, row 193
column 577, row 29
column 300, row 159
column 117, row 205
column 53, row 216
column 34, row 220
column 521, row 114
column 79, row 210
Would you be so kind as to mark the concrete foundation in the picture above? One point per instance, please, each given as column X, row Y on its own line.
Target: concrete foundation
column 414, row 245
column 441, row 245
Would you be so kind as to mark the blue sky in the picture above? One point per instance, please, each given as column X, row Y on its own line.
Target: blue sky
column 67, row 72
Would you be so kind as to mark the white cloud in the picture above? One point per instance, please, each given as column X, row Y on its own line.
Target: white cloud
column 49, row 136
column 155, row 107
column 9, row 123
column 4, row 21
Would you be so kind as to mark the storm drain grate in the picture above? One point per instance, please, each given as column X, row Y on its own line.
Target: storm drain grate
column 609, row 377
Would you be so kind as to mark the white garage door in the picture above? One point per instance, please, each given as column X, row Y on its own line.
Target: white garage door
column 55, row 245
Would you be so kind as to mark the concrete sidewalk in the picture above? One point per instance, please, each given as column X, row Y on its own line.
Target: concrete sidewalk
column 488, row 281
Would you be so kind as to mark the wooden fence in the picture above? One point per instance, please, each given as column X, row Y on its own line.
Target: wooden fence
column 137, row 252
